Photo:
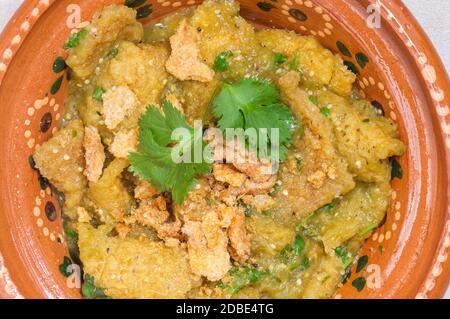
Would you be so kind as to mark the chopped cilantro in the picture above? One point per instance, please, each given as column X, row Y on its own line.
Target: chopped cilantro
column 305, row 263
column 291, row 255
column 328, row 206
column 325, row 278
column 325, row 111
column 279, row 58
column 302, row 72
column 254, row 103
column 221, row 63
column 313, row 99
column 343, row 254
column 153, row 160
column 241, row 278
column 275, row 189
column 295, row 62
column 71, row 234
column 221, row 285
column 248, row 211
column 112, row 53
column 75, row 39
column 65, row 268
column 367, row 230
column 98, row 94
column 362, row 262
column 299, row 163
column 366, row 120
column 284, row 253
column 299, row 245
column 90, row 290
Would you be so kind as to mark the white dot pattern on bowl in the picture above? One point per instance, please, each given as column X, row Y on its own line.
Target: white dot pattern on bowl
column 8, row 286
column 438, row 95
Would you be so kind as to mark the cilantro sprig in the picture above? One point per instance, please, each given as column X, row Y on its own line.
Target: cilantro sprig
column 154, row 160
column 75, row 38
column 254, row 103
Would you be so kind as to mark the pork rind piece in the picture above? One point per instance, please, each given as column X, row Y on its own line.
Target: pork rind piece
column 227, row 174
column 112, row 24
column 184, row 62
column 324, row 174
column 61, row 161
column 223, row 30
column 108, row 194
column 267, row 238
column 124, row 143
column 239, row 242
column 244, row 172
column 145, row 190
column 261, row 202
column 319, row 65
column 365, row 140
column 245, row 161
column 342, row 80
column 359, row 212
column 208, row 247
column 139, row 68
column 132, row 268
column 119, row 102
column 197, row 203
column 153, row 213
column 94, row 154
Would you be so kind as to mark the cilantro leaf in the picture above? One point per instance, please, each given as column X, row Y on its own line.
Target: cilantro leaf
column 254, row 103
column 154, row 160
column 75, row 38
column 221, row 63
column 314, row 100
column 299, row 245
column 343, row 254
column 294, row 62
column 90, row 290
column 325, row 111
column 98, row 94
column 279, row 58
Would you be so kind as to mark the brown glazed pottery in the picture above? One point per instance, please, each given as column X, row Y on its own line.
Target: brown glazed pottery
column 397, row 68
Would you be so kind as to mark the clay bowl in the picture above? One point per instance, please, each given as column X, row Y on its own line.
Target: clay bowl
column 397, row 68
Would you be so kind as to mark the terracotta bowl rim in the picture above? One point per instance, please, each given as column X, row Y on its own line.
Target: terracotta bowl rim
column 35, row 8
